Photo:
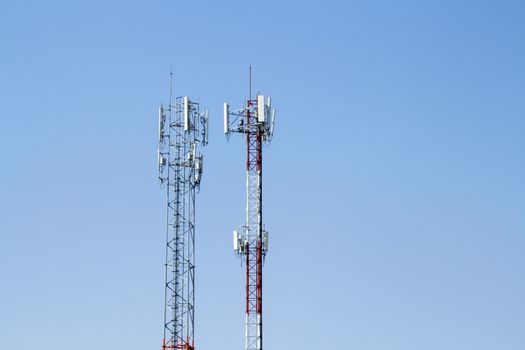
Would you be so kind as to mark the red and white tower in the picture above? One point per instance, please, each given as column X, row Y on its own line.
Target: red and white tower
column 256, row 121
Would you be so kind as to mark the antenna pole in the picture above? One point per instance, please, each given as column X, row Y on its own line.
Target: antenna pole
column 171, row 86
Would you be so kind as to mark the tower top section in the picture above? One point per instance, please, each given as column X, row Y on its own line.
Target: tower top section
column 242, row 120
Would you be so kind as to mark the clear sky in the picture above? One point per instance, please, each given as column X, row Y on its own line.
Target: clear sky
column 394, row 187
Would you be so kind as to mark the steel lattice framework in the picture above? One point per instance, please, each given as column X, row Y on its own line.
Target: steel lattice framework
column 182, row 130
column 251, row 243
column 253, row 227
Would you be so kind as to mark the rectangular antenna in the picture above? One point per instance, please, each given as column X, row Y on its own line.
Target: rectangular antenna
column 206, row 125
column 161, row 123
column 260, row 108
column 226, row 118
column 186, row 114
column 272, row 125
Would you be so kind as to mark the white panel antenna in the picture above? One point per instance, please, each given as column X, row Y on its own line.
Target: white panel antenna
column 272, row 125
column 161, row 122
column 236, row 240
column 260, row 108
column 198, row 169
column 186, row 113
column 206, row 124
column 226, row 118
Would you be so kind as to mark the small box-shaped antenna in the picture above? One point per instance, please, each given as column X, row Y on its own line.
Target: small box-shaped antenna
column 226, row 118
column 260, row 108
column 198, row 169
column 186, row 113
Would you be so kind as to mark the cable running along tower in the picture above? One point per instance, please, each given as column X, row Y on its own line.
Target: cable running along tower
column 183, row 129
column 256, row 121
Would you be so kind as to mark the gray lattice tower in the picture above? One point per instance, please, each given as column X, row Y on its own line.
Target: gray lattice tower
column 182, row 131
column 255, row 120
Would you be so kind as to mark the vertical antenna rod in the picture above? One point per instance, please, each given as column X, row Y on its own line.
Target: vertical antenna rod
column 250, row 241
column 182, row 131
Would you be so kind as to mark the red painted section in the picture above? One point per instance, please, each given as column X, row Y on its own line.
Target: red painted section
column 170, row 345
column 259, row 277
column 259, row 151
column 185, row 346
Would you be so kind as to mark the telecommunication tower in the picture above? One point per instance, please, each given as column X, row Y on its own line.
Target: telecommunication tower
column 183, row 129
column 256, row 120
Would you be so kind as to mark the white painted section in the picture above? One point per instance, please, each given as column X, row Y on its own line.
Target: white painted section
column 246, row 333
column 259, row 331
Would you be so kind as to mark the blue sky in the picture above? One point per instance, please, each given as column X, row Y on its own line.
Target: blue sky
column 394, row 190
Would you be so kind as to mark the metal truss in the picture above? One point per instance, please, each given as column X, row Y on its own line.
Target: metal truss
column 253, row 229
column 251, row 243
column 182, row 130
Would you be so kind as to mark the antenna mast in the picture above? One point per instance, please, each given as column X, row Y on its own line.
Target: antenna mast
column 182, row 131
column 250, row 241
